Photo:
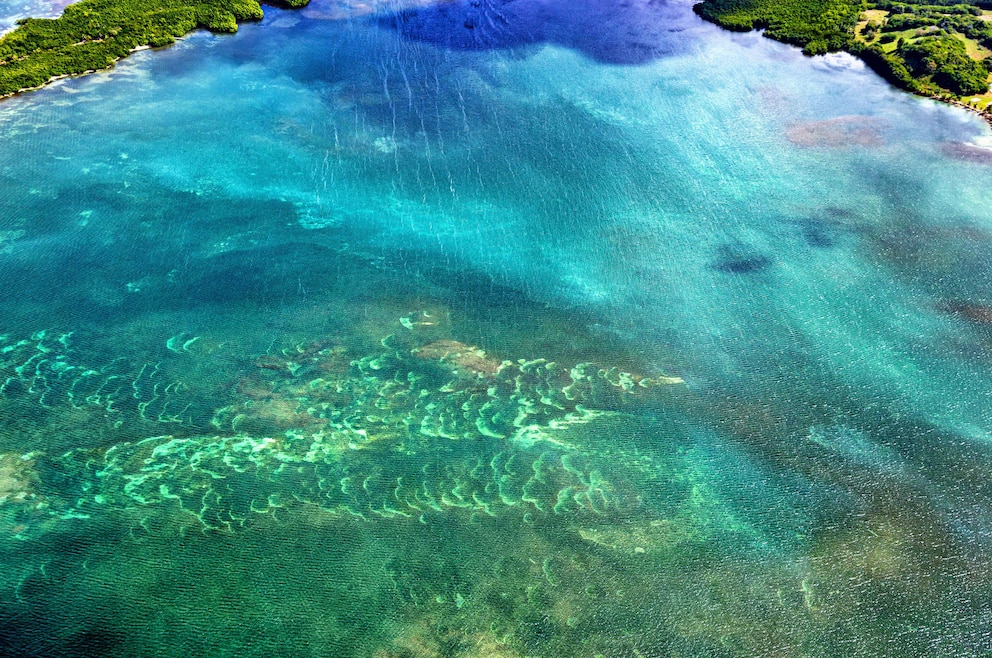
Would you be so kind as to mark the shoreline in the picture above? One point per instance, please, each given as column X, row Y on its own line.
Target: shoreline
column 952, row 76
column 876, row 64
column 985, row 114
column 66, row 76
column 882, row 68
column 46, row 46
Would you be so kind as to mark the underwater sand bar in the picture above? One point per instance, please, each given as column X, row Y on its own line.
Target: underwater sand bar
column 92, row 35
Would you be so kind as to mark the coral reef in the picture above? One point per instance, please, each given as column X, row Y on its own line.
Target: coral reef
column 43, row 369
column 414, row 430
column 22, row 507
column 838, row 132
column 967, row 152
column 16, row 478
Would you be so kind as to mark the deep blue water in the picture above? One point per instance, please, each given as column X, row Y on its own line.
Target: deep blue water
column 489, row 328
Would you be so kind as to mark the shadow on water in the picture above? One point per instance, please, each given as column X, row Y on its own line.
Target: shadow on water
column 626, row 32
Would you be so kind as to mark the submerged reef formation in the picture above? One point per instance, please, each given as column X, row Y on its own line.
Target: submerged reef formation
column 480, row 505
column 43, row 370
column 967, row 152
column 416, row 429
column 93, row 34
column 225, row 481
column 837, row 132
column 414, row 495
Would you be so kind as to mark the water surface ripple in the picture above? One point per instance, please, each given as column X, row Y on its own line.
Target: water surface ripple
column 527, row 328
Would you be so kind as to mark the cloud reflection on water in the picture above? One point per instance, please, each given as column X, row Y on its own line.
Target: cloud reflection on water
column 626, row 32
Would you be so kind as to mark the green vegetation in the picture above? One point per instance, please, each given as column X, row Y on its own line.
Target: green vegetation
column 93, row 34
column 939, row 49
column 930, row 49
column 935, row 49
column 945, row 60
column 818, row 26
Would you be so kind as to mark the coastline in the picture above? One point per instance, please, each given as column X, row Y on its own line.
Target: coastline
column 985, row 115
column 92, row 36
column 938, row 52
column 870, row 54
column 66, row 76
column 876, row 61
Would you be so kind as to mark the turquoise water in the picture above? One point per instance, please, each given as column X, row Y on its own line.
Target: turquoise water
column 505, row 329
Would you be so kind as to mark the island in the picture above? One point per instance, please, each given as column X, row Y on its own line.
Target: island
column 940, row 49
column 92, row 35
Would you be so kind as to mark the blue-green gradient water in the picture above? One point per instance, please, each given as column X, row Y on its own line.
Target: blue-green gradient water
column 502, row 329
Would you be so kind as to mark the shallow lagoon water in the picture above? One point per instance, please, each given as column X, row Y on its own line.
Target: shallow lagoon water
column 364, row 332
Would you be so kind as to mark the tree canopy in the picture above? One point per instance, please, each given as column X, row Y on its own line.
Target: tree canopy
column 93, row 34
column 919, row 47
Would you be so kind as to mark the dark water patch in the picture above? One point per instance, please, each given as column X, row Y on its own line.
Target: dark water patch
column 830, row 226
column 34, row 617
column 467, row 289
column 625, row 32
column 839, row 214
column 40, row 633
column 100, row 640
column 741, row 259
column 295, row 273
column 976, row 313
column 116, row 252
column 493, row 311
column 159, row 594
column 947, row 260
column 744, row 265
column 268, row 275
column 819, row 233
column 841, row 221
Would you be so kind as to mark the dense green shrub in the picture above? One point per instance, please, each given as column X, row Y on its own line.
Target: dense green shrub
column 816, row 25
column 946, row 61
column 931, row 60
column 899, row 22
column 93, row 34
column 889, row 66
